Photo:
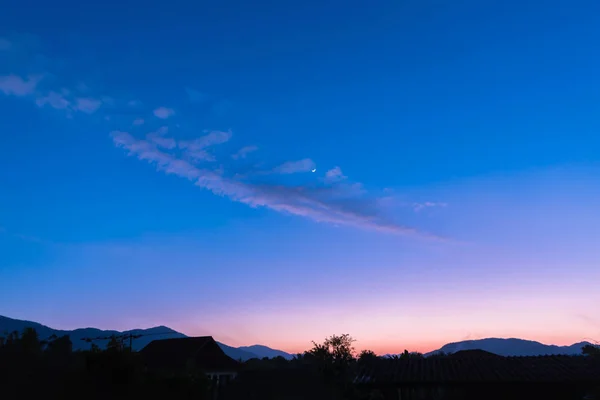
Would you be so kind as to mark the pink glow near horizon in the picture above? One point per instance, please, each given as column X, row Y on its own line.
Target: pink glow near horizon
column 518, row 274
column 541, row 317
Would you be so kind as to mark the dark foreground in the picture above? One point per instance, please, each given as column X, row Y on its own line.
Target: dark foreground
column 49, row 369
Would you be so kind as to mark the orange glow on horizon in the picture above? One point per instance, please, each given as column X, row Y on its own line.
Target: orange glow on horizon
column 381, row 348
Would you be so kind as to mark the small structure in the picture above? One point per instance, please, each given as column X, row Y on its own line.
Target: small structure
column 482, row 375
column 193, row 353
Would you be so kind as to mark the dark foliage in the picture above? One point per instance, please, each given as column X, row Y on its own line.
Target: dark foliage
column 30, row 368
column 591, row 350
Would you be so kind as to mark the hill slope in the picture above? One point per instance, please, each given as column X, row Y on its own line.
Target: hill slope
column 511, row 347
column 265, row 351
column 8, row 325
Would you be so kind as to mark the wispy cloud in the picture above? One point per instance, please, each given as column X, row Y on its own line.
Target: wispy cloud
column 428, row 204
column 243, row 152
column 197, row 149
column 17, row 86
column 160, row 140
column 322, row 204
column 87, row 105
column 163, row 112
column 334, row 199
column 292, row 167
column 64, row 100
column 53, row 99
column 335, row 175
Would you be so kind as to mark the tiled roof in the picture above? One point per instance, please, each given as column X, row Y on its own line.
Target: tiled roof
column 202, row 352
column 460, row 369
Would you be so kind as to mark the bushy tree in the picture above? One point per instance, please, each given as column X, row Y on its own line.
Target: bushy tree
column 367, row 358
column 114, row 344
column 335, row 349
column 60, row 345
column 591, row 350
column 30, row 342
column 334, row 357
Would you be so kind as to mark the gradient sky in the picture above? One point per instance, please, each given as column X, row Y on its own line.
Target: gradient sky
column 155, row 169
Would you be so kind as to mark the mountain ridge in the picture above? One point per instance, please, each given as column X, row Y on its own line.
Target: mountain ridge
column 266, row 351
column 502, row 346
column 508, row 347
column 78, row 335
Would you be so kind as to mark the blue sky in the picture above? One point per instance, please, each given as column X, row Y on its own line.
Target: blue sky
column 157, row 169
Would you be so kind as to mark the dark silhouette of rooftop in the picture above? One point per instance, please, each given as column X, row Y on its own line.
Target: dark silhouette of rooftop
column 176, row 354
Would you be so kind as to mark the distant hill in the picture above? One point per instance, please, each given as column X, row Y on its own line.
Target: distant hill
column 239, row 353
column 511, row 347
column 160, row 332
column 265, row 351
column 8, row 325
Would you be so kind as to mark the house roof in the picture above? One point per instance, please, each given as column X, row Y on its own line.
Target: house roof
column 483, row 368
column 202, row 352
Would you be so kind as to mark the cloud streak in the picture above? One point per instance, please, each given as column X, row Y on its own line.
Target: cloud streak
column 163, row 112
column 87, row 105
column 428, row 204
column 333, row 199
column 16, row 86
column 63, row 100
column 243, row 152
column 321, row 204
column 197, row 149
column 160, row 140
column 335, row 175
column 294, row 167
column 54, row 100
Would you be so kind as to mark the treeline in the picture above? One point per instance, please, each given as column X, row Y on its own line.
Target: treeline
column 50, row 368
column 327, row 371
column 335, row 356
column 31, row 367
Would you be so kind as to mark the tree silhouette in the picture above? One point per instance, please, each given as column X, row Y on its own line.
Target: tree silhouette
column 335, row 349
column 439, row 354
column 30, row 342
column 60, row 346
column 591, row 350
column 335, row 358
column 367, row 354
column 114, row 344
column 406, row 355
column 49, row 368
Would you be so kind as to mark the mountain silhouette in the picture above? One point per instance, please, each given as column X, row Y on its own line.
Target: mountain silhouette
column 511, row 347
column 499, row 346
column 265, row 351
column 78, row 337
